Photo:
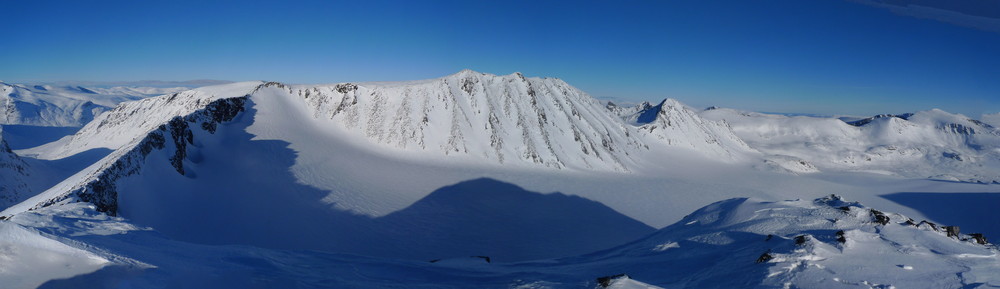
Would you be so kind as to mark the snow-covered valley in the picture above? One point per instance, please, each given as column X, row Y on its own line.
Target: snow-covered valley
column 265, row 184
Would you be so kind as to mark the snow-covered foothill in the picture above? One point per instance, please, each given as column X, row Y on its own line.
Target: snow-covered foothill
column 64, row 106
column 925, row 144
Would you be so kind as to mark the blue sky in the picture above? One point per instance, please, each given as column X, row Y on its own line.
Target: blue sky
column 823, row 56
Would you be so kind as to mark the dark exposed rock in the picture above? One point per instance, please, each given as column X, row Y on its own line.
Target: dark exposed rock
column 980, row 239
column 345, row 87
column 879, row 218
column 958, row 129
column 606, row 281
column 769, row 236
column 801, row 239
column 182, row 136
column 868, row 120
column 952, row 155
column 764, row 257
column 840, row 237
column 952, row 231
column 487, row 258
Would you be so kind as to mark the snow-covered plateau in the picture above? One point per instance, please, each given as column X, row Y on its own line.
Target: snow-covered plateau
column 476, row 180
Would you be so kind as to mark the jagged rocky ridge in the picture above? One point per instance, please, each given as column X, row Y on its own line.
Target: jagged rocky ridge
column 99, row 187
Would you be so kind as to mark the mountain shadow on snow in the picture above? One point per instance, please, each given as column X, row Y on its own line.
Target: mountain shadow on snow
column 507, row 222
column 975, row 211
column 236, row 189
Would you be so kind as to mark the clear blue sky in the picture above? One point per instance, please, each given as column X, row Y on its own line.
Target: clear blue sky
column 818, row 56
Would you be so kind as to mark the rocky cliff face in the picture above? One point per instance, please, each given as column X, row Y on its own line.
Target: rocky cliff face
column 100, row 187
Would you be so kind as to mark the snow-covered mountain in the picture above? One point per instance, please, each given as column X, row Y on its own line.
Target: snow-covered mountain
column 926, row 144
column 47, row 105
column 169, row 150
column 680, row 126
column 506, row 119
column 13, row 173
column 399, row 174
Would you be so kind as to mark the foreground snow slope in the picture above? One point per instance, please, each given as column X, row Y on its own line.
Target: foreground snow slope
column 926, row 144
column 736, row 243
column 47, row 105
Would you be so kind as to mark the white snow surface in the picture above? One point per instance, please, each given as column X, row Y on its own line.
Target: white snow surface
column 47, row 105
column 927, row 144
column 28, row 259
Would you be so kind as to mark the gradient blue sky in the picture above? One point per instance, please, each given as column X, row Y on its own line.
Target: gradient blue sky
column 819, row 56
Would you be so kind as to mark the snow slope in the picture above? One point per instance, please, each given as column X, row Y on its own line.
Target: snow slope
column 13, row 173
column 822, row 243
column 62, row 106
column 926, row 144
column 504, row 119
column 736, row 243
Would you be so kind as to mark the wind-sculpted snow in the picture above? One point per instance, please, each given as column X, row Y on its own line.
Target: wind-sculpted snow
column 505, row 119
column 926, row 144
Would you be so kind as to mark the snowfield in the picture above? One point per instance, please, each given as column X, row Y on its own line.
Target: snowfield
column 414, row 184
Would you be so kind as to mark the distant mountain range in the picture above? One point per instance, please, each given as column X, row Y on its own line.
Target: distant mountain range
column 468, row 165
